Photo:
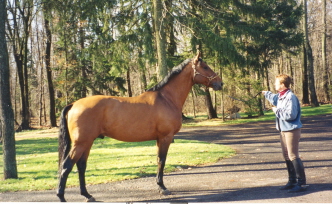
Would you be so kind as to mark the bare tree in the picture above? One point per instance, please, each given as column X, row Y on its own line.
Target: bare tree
column 46, row 10
column 6, row 111
column 18, row 34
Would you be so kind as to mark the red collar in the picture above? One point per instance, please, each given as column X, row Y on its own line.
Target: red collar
column 281, row 93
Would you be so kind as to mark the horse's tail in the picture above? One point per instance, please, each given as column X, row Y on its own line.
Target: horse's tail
column 64, row 139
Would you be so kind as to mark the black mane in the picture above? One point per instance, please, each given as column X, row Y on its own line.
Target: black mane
column 175, row 71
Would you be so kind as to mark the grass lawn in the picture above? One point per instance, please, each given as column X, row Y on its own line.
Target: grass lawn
column 110, row 160
column 201, row 120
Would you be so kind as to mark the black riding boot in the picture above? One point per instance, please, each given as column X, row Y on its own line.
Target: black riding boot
column 301, row 180
column 291, row 176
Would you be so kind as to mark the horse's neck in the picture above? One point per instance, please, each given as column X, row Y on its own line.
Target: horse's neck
column 179, row 87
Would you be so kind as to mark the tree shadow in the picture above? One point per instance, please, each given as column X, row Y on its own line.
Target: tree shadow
column 242, row 194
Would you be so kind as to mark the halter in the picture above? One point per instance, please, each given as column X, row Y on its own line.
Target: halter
column 210, row 78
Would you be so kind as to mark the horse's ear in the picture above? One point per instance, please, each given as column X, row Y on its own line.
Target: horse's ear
column 197, row 57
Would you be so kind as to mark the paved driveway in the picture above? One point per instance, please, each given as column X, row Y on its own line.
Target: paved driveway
column 252, row 176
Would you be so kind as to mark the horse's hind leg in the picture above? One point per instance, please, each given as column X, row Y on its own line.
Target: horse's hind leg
column 81, row 166
column 76, row 153
column 163, row 145
column 66, row 168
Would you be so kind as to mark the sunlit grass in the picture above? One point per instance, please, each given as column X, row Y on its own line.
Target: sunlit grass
column 109, row 160
column 201, row 120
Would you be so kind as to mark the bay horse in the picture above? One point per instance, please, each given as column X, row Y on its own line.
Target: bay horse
column 154, row 115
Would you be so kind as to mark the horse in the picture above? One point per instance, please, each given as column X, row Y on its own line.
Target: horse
column 154, row 115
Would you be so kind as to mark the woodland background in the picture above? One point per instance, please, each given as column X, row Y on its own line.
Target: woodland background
column 60, row 51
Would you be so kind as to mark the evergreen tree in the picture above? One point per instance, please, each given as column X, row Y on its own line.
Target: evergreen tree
column 86, row 47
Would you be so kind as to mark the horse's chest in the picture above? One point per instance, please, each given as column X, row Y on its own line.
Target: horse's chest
column 169, row 123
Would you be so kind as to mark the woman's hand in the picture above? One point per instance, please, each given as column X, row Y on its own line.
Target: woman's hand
column 274, row 109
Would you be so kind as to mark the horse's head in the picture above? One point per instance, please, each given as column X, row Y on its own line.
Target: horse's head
column 203, row 74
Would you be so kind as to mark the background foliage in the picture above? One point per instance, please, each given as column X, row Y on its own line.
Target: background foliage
column 109, row 47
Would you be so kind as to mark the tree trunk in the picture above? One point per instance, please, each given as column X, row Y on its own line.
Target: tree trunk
column 310, row 61
column 305, row 83
column 6, row 111
column 84, row 89
column 130, row 93
column 24, row 109
column 160, row 36
column 40, row 112
column 171, row 47
column 193, row 96
column 211, row 111
column 305, row 86
column 325, row 68
column 49, row 70
column 267, row 78
column 311, row 75
column 259, row 100
column 26, row 31
column 143, row 80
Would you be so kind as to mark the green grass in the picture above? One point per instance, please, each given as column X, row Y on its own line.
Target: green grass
column 110, row 160
column 201, row 120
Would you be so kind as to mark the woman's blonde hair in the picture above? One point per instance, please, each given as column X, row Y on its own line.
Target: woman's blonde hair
column 285, row 79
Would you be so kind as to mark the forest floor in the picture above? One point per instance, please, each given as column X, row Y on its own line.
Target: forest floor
column 253, row 175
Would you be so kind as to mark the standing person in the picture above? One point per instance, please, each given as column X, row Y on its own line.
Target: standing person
column 288, row 113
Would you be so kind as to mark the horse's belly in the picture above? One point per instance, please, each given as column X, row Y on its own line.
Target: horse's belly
column 142, row 132
column 131, row 136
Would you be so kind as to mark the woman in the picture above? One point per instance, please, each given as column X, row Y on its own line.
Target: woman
column 288, row 113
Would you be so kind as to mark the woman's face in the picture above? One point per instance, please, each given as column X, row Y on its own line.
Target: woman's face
column 279, row 87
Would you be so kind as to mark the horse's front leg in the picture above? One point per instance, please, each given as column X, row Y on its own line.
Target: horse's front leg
column 163, row 145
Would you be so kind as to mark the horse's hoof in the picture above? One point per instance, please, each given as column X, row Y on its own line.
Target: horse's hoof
column 165, row 192
column 92, row 199
column 62, row 197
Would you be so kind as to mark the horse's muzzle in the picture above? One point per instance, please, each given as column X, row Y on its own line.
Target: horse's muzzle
column 217, row 86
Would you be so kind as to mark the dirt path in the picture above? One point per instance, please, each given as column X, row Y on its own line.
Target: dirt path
column 252, row 176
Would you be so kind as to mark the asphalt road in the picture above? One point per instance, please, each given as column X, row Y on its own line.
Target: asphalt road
column 254, row 175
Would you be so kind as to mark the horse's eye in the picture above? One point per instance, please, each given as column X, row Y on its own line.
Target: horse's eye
column 206, row 68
